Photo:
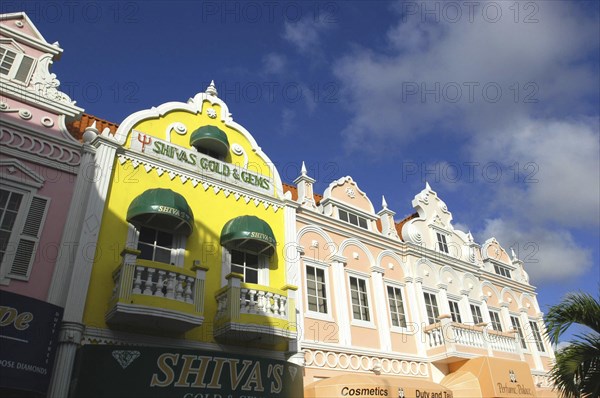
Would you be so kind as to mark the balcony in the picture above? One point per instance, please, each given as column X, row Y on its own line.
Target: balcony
column 448, row 341
column 250, row 312
column 154, row 295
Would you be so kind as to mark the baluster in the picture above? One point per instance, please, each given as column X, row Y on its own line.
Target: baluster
column 137, row 283
column 171, row 286
column 179, row 290
column 188, row 290
column 261, row 301
column 244, row 303
column 252, row 302
column 160, row 284
column 283, row 306
column 271, row 303
column 277, row 303
column 148, row 282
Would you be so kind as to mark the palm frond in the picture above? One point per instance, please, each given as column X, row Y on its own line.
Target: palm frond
column 581, row 308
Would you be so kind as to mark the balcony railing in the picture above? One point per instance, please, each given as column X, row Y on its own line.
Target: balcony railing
column 247, row 311
column 149, row 294
column 462, row 340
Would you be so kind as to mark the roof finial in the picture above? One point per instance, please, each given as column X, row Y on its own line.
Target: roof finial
column 90, row 133
column 512, row 252
column 427, row 187
column 383, row 202
column 303, row 170
column 211, row 89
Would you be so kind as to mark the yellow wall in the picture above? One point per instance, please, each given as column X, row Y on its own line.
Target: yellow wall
column 211, row 212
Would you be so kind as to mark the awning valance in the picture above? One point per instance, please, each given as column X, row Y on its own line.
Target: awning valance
column 210, row 138
column 249, row 233
column 362, row 385
column 162, row 209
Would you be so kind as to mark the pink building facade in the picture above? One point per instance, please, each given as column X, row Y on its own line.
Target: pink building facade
column 39, row 166
column 409, row 305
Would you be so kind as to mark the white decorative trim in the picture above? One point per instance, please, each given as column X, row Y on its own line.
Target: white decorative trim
column 35, row 180
column 44, row 148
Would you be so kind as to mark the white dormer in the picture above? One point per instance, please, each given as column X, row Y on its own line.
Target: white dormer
column 344, row 200
column 433, row 228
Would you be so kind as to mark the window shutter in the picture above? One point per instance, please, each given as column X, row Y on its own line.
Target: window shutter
column 24, row 69
column 29, row 238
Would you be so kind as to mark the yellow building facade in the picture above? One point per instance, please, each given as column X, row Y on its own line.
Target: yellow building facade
column 186, row 261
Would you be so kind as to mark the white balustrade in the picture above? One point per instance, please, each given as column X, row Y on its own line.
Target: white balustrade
column 149, row 281
column 255, row 301
column 470, row 336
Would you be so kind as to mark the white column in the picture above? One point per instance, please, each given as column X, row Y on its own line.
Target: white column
column 485, row 311
column 292, row 278
column 485, row 314
column 383, row 324
column 419, row 313
column 443, row 304
column 80, row 277
column 465, row 307
column 57, row 293
column 341, row 300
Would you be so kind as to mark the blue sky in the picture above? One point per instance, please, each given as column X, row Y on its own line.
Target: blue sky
column 494, row 103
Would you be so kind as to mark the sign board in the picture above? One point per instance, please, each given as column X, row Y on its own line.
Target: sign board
column 28, row 336
column 201, row 163
column 156, row 372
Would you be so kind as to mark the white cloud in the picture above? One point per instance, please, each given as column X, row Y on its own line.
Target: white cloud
column 548, row 254
column 543, row 62
column 305, row 34
column 274, row 63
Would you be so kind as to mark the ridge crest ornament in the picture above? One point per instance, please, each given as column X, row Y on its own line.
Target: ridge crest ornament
column 125, row 358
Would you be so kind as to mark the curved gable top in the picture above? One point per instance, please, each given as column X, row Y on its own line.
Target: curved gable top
column 173, row 122
column 346, row 191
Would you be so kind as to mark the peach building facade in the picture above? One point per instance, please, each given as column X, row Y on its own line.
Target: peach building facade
column 409, row 300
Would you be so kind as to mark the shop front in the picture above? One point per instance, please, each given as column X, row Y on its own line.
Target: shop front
column 156, row 372
column 372, row 386
column 28, row 334
column 492, row 377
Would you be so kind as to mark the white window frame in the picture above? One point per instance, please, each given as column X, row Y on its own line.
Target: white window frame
column 328, row 316
column 443, row 241
column 502, row 271
column 263, row 266
column 393, row 328
column 537, row 337
column 177, row 251
column 498, row 318
column 16, row 65
column 480, row 313
column 437, row 306
column 457, row 302
column 358, row 218
column 520, row 331
column 367, row 279
column 29, row 192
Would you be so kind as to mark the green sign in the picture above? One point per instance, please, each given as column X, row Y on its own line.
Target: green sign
column 129, row 371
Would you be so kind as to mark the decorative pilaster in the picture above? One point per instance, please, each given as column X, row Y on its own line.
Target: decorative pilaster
column 466, row 307
column 57, row 293
column 388, row 226
column 381, row 308
column 69, row 339
column 101, row 175
column 530, row 340
column 443, row 299
column 341, row 299
column 418, row 311
column 304, row 183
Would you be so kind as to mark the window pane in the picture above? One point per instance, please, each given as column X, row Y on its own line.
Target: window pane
column 14, row 201
column 362, row 223
column 353, row 219
column 146, row 251
column 3, row 198
column 323, row 306
column 251, row 276
column 252, row 260
column 343, row 215
column 320, row 276
column 162, row 255
column 238, row 269
column 8, row 220
column 164, row 239
column 237, row 257
column 147, row 235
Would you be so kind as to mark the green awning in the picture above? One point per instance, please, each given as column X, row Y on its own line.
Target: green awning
column 162, row 209
column 210, row 138
column 249, row 233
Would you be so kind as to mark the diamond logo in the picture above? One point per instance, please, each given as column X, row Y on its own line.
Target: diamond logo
column 125, row 358
column 292, row 371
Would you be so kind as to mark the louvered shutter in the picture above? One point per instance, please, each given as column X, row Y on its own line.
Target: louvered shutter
column 24, row 68
column 26, row 248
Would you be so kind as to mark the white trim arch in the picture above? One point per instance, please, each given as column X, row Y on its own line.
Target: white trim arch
column 406, row 270
column 359, row 244
column 330, row 245
column 455, row 285
column 475, row 289
column 493, row 289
